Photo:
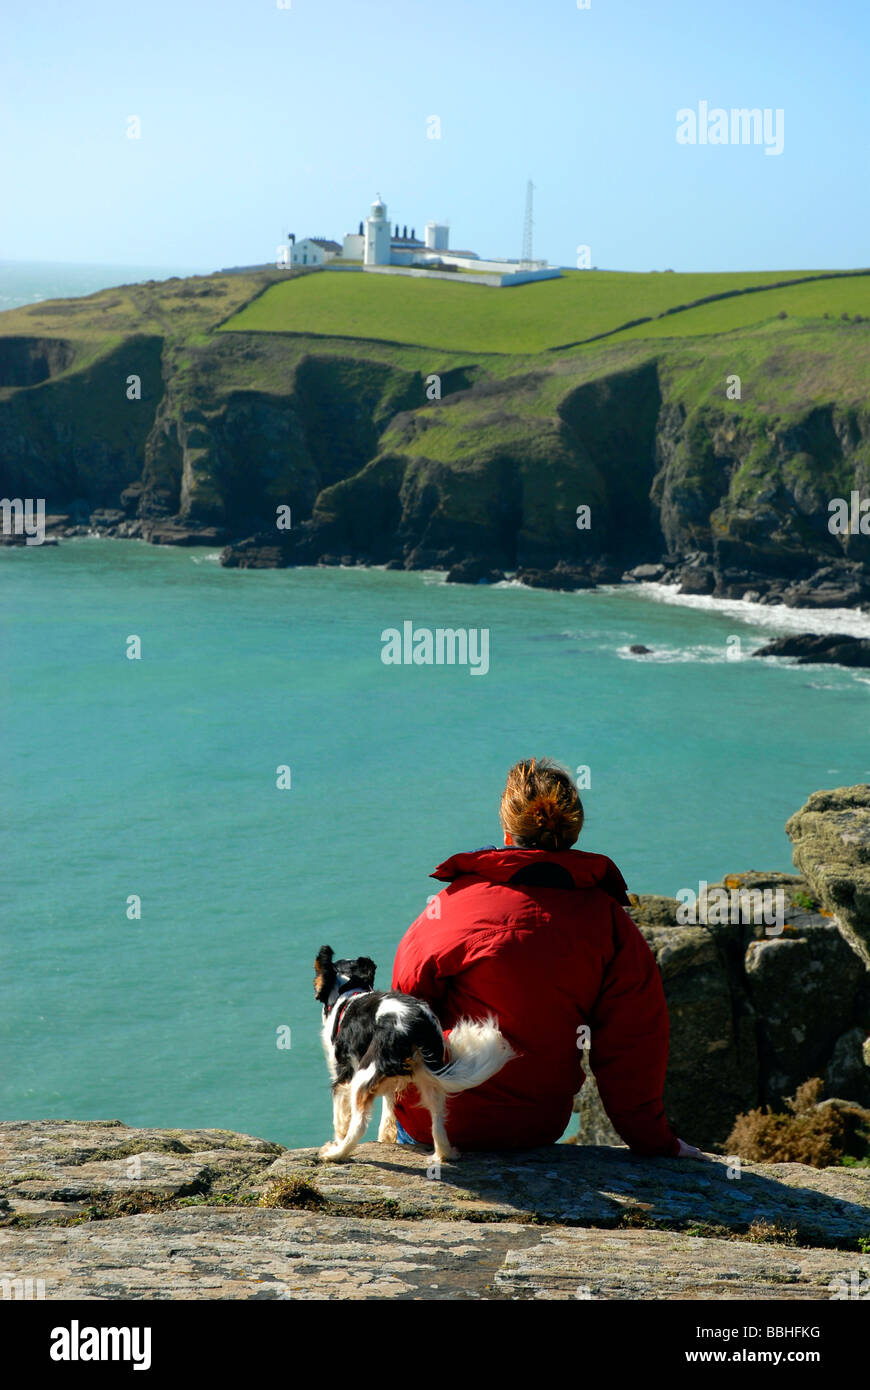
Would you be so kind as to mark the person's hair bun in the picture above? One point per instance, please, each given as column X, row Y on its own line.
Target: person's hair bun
column 540, row 808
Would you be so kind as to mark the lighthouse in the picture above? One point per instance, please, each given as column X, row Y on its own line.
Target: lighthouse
column 377, row 243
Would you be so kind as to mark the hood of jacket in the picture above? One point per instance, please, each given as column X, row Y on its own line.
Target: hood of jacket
column 502, row 865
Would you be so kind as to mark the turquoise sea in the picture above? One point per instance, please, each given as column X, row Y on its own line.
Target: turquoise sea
column 29, row 282
column 157, row 777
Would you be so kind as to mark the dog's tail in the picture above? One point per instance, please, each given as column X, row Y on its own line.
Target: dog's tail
column 476, row 1050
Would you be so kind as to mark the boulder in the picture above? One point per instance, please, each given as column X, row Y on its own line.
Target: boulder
column 645, row 574
column 848, row 1070
column 803, row 990
column 177, row 532
column 756, row 1006
column 697, row 580
column 831, row 838
column 267, row 550
column 474, row 571
column 713, row 1060
column 812, row 648
column 832, row 586
column 562, row 577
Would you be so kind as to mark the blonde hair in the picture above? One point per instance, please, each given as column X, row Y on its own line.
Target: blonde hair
column 540, row 807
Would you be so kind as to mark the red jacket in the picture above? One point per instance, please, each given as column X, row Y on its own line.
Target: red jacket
column 544, row 959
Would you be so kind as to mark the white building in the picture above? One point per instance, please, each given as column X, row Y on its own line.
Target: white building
column 354, row 246
column 313, row 250
column 380, row 248
column 437, row 236
column 377, row 248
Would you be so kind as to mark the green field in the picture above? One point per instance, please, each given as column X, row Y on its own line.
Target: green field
column 532, row 318
column 849, row 295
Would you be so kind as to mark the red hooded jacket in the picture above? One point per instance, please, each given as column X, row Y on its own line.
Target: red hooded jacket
column 541, row 941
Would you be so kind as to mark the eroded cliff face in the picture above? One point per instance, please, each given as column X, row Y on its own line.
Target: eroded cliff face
column 76, row 436
column 756, row 494
column 745, row 503
column 494, row 471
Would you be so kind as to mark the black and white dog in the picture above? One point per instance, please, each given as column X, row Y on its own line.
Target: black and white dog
column 378, row 1042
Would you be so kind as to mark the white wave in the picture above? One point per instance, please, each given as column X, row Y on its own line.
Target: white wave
column 212, row 557
column 774, row 616
column 700, row 653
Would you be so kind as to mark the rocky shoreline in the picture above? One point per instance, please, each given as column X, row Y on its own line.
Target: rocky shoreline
column 842, row 585
column 835, row 584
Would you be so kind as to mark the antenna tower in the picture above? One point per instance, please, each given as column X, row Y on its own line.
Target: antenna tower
column 526, row 260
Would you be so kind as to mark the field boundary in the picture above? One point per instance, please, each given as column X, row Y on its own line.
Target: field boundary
column 710, row 299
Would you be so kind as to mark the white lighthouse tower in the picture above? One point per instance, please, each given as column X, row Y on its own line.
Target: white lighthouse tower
column 377, row 245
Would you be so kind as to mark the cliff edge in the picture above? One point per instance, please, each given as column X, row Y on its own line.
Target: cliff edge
column 102, row 1211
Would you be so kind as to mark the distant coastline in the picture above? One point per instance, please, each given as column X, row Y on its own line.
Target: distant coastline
column 706, row 462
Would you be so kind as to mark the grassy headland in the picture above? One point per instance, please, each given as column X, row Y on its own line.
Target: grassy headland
column 267, row 387
column 534, row 318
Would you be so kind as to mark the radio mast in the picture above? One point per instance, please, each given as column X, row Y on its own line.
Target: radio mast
column 526, row 260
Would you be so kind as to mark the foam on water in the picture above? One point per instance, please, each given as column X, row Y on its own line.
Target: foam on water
column 776, row 616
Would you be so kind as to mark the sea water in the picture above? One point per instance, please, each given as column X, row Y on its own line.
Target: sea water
column 260, row 782
column 31, row 282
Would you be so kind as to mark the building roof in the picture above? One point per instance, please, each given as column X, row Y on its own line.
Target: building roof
column 323, row 243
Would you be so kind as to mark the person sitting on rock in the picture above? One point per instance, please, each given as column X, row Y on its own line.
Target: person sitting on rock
column 535, row 933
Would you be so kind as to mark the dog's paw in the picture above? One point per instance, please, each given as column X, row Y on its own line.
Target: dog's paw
column 329, row 1152
column 387, row 1133
column 448, row 1156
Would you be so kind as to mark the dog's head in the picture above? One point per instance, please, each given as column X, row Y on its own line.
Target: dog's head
column 346, row 974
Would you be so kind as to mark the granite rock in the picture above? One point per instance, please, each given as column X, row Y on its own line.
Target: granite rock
column 566, row 1222
column 831, row 838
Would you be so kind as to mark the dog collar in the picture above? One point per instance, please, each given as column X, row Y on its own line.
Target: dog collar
column 339, row 1007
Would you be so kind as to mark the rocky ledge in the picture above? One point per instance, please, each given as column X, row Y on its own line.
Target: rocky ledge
column 767, row 985
column 97, row 1210
column 809, row 648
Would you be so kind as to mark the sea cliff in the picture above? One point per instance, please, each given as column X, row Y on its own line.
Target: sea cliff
column 142, row 412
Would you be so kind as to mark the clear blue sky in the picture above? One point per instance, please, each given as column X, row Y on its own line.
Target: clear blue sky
column 258, row 120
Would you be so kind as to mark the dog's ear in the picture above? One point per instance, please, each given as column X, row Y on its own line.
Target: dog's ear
column 365, row 969
column 324, row 974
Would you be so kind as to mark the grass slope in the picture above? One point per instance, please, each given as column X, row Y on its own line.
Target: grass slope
column 211, row 349
column 178, row 311
column 846, row 295
column 525, row 319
